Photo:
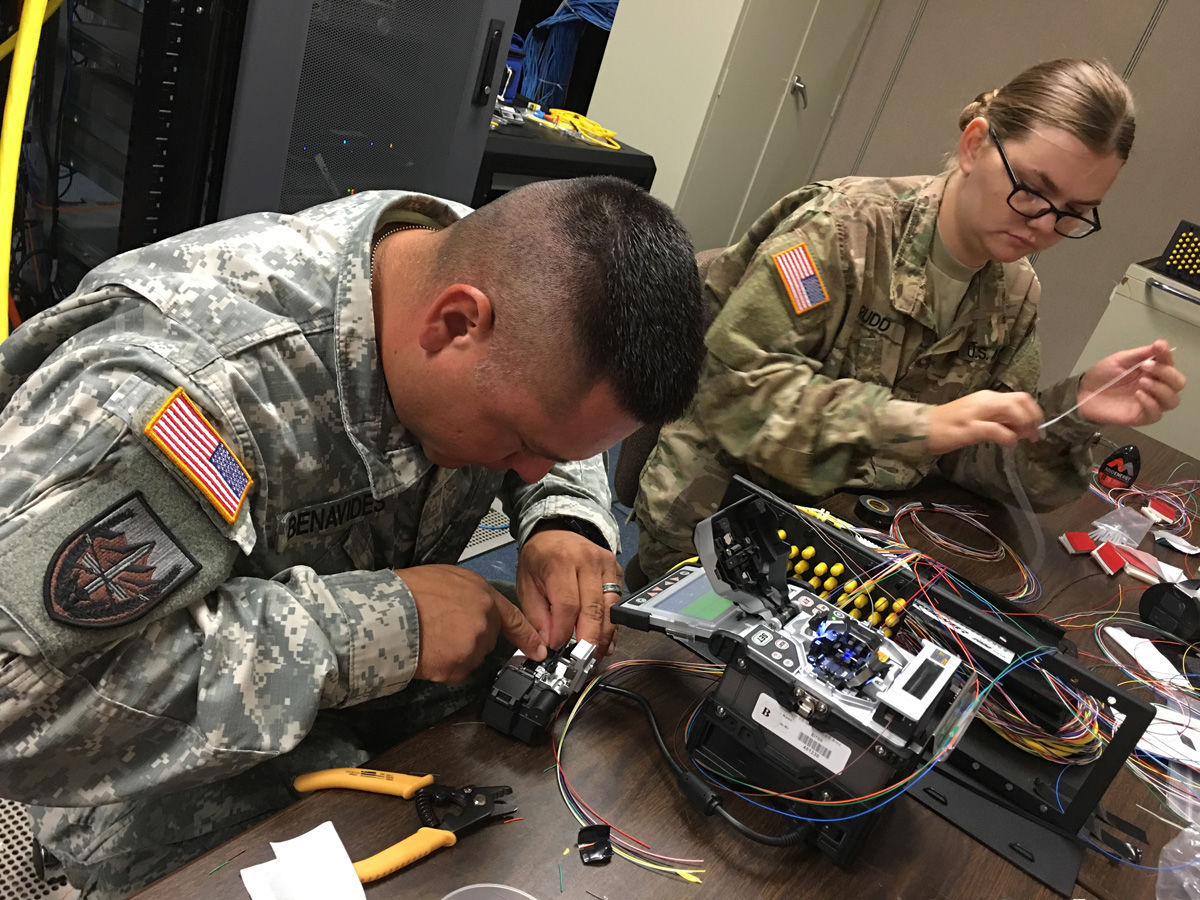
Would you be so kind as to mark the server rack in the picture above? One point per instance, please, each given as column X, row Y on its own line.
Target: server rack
column 151, row 117
column 134, row 108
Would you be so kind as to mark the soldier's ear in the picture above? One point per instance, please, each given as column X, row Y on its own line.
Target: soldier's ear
column 972, row 143
column 460, row 316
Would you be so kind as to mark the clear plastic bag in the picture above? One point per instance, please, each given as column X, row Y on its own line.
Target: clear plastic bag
column 1124, row 525
column 1179, row 861
column 1179, row 867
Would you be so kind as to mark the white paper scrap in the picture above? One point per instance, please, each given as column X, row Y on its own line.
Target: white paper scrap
column 1175, row 542
column 1148, row 657
column 313, row 866
column 1172, row 574
column 1174, row 735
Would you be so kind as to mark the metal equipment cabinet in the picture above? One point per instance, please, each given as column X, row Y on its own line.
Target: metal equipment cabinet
column 1143, row 307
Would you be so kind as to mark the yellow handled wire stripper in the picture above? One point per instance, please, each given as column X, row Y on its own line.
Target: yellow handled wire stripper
column 471, row 806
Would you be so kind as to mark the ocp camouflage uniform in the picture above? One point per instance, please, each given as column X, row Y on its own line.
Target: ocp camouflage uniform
column 166, row 668
column 808, row 399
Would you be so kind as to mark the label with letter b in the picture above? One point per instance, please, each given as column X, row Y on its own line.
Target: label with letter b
column 823, row 748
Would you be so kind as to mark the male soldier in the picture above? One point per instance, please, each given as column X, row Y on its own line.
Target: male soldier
column 239, row 461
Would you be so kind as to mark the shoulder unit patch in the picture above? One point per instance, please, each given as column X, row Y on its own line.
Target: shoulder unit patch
column 800, row 278
column 180, row 430
column 116, row 568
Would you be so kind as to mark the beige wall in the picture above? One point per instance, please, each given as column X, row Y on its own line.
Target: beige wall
column 638, row 89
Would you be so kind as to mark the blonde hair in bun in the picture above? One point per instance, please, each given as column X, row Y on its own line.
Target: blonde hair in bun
column 1084, row 97
column 974, row 109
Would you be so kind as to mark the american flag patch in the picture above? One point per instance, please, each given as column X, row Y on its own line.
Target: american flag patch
column 180, row 430
column 800, row 278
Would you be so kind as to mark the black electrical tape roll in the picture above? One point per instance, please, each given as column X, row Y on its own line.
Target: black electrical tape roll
column 874, row 512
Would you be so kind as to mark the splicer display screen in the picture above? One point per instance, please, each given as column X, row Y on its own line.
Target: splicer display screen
column 692, row 597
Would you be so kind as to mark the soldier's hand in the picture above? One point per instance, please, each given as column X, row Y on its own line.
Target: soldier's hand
column 1003, row 417
column 461, row 618
column 1139, row 398
column 560, row 579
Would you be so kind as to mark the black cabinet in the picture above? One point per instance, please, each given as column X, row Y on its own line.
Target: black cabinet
column 519, row 154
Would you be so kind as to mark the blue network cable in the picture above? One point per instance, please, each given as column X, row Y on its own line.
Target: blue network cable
column 551, row 46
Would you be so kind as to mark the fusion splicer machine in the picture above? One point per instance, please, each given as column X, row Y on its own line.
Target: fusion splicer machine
column 526, row 694
column 814, row 703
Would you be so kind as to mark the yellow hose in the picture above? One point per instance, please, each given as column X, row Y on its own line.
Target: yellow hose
column 33, row 14
column 7, row 47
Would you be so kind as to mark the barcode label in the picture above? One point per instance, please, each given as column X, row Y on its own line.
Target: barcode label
column 825, row 749
column 814, row 748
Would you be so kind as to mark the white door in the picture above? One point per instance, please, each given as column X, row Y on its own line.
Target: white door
column 819, row 75
column 786, row 67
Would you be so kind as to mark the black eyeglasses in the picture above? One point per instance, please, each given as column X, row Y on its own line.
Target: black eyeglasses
column 1032, row 205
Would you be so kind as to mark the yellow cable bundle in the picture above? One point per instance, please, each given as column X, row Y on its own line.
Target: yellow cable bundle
column 33, row 14
column 590, row 131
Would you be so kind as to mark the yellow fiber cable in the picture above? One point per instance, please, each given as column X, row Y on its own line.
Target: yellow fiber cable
column 7, row 47
column 33, row 14
column 590, row 131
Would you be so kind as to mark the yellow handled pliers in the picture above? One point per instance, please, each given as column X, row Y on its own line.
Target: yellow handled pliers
column 472, row 805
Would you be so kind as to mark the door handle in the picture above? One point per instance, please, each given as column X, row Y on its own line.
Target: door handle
column 799, row 87
column 482, row 95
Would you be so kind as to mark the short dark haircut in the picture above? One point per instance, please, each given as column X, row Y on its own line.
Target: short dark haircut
column 592, row 274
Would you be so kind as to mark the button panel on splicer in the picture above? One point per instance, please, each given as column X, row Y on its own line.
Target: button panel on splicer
column 775, row 648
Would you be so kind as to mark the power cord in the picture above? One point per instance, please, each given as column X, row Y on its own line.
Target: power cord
column 698, row 792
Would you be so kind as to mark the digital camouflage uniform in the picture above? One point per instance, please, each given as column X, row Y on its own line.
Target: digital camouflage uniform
column 811, row 395
column 164, row 672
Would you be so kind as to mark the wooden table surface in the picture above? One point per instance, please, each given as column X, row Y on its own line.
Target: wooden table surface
column 611, row 760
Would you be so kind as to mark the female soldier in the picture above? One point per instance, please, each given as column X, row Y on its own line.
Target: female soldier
column 869, row 329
